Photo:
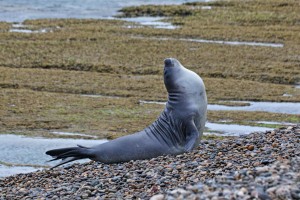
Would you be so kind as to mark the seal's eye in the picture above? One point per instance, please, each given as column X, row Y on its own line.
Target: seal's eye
column 167, row 76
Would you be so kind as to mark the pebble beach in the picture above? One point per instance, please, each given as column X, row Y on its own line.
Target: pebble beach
column 262, row 165
column 77, row 72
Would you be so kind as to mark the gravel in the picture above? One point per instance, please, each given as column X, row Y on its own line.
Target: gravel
column 256, row 166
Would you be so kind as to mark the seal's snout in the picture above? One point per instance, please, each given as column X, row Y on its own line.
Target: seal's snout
column 169, row 62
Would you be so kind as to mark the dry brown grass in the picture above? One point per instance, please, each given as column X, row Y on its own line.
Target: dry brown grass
column 4, row 26
column 42, row 75
column 144, row 87
column 26, row 110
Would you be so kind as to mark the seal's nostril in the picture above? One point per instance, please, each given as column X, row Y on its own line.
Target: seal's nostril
column 168, row 62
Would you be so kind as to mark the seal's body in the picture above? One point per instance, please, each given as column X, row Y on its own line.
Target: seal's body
column 177, row 130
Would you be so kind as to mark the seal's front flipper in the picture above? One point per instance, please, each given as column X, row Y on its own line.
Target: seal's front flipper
column 192, row 135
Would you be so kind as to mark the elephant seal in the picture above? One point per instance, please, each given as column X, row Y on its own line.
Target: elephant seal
column 177, row 130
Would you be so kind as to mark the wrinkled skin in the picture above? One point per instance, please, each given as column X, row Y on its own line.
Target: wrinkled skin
column 178, row 129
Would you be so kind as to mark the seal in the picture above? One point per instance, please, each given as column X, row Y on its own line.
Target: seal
column 178, row 129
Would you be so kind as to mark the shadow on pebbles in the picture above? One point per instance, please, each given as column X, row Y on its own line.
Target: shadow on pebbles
column 257, row 166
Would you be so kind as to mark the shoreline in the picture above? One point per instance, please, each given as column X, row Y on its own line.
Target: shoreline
column 44, row 75
column 93, row 10
column 223, row 162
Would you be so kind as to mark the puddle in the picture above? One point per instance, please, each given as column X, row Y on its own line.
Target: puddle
column 287, row 95
column 99, row 96
column 23, row 150
column 201, row 7
column 273, row 107
column 14, row 30
column 233, row 129
column 154, row 22
column 152, row 102
column 72, row 134
column 262, row 44
column 206, row 7
column 18, row 25
column 234, row 42
column 21, row 28
column 275, row 123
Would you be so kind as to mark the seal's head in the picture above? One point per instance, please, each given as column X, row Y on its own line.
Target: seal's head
column 187, row 101
column 178, row 79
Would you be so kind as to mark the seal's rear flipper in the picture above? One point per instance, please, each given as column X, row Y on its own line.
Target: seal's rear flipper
column 63, row 161
column 69, row 154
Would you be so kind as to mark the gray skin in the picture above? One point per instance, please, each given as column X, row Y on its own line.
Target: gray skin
column 178, row 129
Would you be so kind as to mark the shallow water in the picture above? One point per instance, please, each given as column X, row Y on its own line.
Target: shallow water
column 8, row 171
column 99, row 96
column 16, row 30
column 273, row 107
column 150, row 21
column 21, row 28
column 233, row 129
column 287, row 95
column 206, row 7
column 264, row 44
column 235, row 43
column 19, row 10
column 276, row 123
column 72, row 134
column 152, row 102
column 31, row 151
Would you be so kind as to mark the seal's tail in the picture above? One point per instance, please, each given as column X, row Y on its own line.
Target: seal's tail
column 69, row 154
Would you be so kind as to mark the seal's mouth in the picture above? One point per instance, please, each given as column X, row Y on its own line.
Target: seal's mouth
column 169, row 64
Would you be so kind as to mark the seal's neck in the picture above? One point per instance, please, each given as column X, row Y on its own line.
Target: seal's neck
column 173, row 100
column 177, row 100
column 165, row 129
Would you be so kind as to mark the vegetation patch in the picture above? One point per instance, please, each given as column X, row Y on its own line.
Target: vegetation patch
column 155, row 10
column 43, row 75
column 4, row 26
column 38, row 113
